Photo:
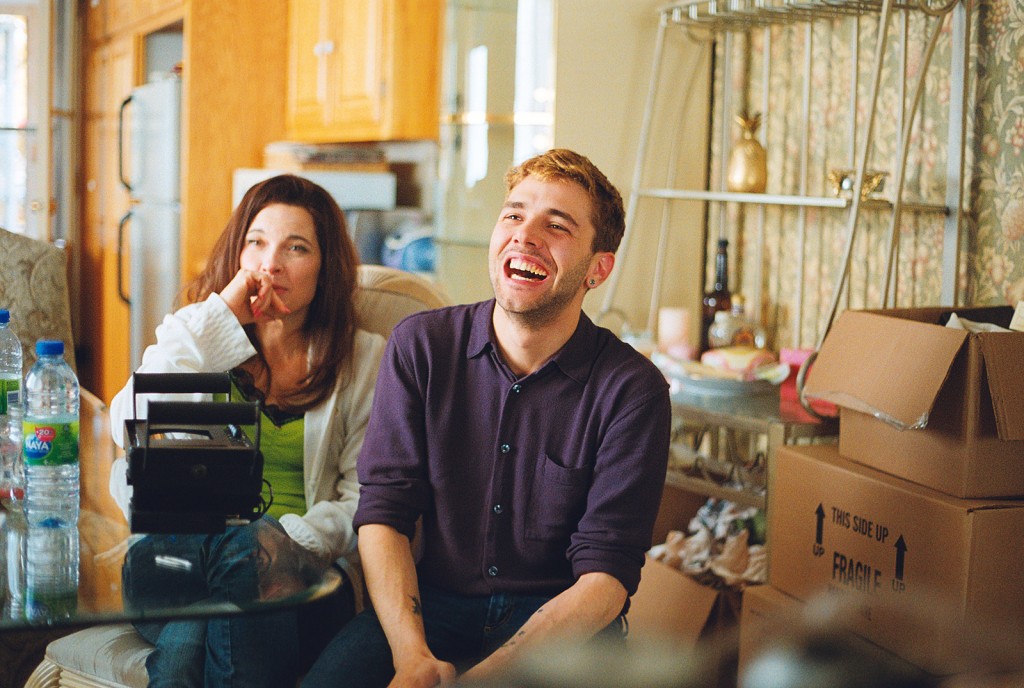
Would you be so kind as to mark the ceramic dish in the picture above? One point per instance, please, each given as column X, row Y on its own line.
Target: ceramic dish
column 723, row 387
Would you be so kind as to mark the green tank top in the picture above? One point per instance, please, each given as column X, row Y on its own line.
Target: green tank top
column 281, row 441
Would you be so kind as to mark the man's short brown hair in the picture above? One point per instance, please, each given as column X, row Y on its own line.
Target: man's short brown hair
column 608, row 216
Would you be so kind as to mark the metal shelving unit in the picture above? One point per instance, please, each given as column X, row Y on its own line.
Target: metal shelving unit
column 721, row 20
column 727, row 444
column 703, row 423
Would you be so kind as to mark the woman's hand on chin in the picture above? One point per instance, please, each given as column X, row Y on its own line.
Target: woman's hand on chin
column 251, row 297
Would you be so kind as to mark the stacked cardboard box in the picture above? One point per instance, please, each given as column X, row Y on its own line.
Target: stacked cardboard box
column 937, row 406
column 764, row 611
column 778, row 630
column 915, row 521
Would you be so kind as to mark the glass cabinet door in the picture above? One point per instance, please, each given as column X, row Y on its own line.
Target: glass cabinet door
column 497, row 108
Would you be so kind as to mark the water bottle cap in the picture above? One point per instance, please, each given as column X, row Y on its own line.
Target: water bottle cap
column 5, row 316
column 49, row 347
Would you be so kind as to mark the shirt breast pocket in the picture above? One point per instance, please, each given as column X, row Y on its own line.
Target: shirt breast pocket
column 558, row 498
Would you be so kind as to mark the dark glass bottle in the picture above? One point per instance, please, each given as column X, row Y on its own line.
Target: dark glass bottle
column 719, row 298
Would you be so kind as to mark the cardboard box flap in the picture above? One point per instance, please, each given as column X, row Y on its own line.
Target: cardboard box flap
column 669, row 604
column 1004, row 367
column 889, row 368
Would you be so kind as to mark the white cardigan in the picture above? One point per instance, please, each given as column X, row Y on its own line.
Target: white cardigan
column 206, row 337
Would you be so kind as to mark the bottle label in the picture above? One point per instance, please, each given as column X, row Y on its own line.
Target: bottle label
column 50, row 444
column 51, row 605
column 10, row 395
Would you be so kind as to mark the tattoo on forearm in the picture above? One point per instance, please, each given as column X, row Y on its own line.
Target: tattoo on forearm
column 416, row 609
column 514, row 640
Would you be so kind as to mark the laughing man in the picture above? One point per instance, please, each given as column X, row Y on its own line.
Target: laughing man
column 532, row 443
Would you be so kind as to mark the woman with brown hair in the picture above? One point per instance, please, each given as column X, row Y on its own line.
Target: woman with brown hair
column 274, row 307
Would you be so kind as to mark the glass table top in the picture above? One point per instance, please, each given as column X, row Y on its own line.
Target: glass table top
column 53, row 576
column 99, row 572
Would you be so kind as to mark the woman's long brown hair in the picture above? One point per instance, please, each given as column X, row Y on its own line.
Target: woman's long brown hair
column 330, row 321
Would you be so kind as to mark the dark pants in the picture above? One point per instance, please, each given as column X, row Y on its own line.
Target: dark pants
column 459, row 629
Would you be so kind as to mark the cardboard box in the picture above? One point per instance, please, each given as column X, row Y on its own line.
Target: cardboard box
column 776, row 626
column 960, row 396
column 765, row 610
column 933, row 579
column 669, row 606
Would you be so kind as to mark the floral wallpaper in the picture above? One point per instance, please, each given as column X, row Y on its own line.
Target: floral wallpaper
column 786, row 259
column 996, row 263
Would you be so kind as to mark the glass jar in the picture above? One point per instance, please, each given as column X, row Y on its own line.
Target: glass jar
column 733, row 328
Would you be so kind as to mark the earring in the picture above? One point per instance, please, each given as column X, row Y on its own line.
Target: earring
column 593, row 282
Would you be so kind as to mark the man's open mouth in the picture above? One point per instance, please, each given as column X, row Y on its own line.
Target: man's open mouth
column 519, row 269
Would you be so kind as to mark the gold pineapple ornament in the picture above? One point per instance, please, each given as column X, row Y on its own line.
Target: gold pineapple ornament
column 748, row 168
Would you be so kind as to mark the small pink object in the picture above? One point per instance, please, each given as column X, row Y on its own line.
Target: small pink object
column 788, row 392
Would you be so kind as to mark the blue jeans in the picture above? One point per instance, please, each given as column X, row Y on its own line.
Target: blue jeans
column 459, row 629
column 254, row 650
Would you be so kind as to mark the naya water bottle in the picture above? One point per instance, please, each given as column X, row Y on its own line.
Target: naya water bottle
column 51, row 571
column 11, row 409
column 50, row 430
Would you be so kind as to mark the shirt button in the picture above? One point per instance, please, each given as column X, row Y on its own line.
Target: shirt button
column 492, row 571
column 498, row 508
column 517, row 388
column 505, row 449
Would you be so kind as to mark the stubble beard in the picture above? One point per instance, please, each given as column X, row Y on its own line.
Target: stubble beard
column 547, row 308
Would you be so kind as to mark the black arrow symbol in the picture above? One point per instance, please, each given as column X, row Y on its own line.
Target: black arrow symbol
column 820, row 513
column 901, row 550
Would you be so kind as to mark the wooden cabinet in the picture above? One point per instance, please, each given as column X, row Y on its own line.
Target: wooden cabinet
column 234, row 68
column 112, row 18
column 363, row 70
column 120, row 14
column 111, row 72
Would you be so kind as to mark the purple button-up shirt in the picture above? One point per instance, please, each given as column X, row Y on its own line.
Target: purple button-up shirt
column 524, row 484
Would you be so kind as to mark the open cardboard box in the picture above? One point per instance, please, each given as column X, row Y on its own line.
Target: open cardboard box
column 958, row 397
column 670, row 606
column 932, row 578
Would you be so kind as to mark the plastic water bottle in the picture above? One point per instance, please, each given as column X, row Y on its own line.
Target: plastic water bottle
column 51, row 572
column 13, row 536
column 10, row 368
column 11, row 411
column 50, row 429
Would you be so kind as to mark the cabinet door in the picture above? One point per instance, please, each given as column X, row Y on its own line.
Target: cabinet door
column 364, row 70
column 307, row 64
column 110, row 76
column 357, row 74
column 120, row 13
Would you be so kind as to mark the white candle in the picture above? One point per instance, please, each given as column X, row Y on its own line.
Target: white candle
column 674, row 332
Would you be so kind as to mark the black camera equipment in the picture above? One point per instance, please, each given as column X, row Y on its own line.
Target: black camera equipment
column 192, row 465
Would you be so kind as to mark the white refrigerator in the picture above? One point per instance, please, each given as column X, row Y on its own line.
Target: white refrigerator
column 148, row 242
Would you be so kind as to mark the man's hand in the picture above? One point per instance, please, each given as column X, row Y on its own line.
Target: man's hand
column 422, row 672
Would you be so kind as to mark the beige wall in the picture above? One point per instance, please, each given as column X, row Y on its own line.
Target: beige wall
column 604, row 50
